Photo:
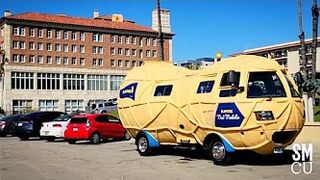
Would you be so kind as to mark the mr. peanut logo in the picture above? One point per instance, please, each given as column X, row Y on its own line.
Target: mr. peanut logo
column 228, row 115
column 129, row 91
column 303, row 159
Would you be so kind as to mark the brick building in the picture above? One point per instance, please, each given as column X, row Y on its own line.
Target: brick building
column 59, row 62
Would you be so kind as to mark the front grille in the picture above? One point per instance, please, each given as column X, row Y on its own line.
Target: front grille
column 283, row 136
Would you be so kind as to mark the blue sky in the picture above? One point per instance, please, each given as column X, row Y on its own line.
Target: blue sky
column 202, row 27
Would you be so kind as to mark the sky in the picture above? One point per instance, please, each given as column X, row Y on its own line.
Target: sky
column 201, row 27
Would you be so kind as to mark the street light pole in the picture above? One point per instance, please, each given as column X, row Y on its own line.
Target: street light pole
column 160, row 34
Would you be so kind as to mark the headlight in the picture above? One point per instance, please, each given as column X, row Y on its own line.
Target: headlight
column 264, row 115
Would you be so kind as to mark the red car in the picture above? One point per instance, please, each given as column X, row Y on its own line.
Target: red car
column 94, row 127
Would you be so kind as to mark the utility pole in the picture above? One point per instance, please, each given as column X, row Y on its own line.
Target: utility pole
column 160, row 34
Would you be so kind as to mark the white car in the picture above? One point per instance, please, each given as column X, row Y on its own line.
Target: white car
column 54, row 129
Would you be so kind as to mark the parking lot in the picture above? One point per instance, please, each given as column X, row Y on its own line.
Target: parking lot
column 38, row 159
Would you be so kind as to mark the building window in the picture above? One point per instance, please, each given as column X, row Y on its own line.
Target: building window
column 40, row 33
column 31, row 59
column 94, row 49
column 154, row 42
column 115, row 81
column 16, row 31
column 74, row 48
column 94, row 62
column 22, row 31
column 154, row 53
column 40, row 59
column 31, row 32
column 22, row 45
column 140, row 53
column 58, row 47
column 49, row 34
column 140, row 63
column 82, row 36
column 120, row 39
column 112, row 51
column 82, row 62
column 49, row 60
column 65, row 60
column 49, row 47
column 40, row 46
column 134, row 63
column 58, row 34
column 82, row 49
column 148, row 54
column 100, row 50
column 141, row 42
column 21, row 80
column 100, row 62
column 73, row 81
column 15, row 58
column 148, row 41
column 127, row 40
column 97, row 83
column 134, row 40
column 65, row 34
column 48, row 81
column 31, row 46
column 21, row 106
column 58, row 60
column 127, row 52
column 134, row 52
column 73, row 106
column 65, row 48
column 74, row 61
column 127, row 64
column 97, row 37
column 74, row 36
column 22, row 58
column 119, row 63
column 119, row 51
column 112, row 39
column 48, row 105
column 15, row 44
column 112, row 63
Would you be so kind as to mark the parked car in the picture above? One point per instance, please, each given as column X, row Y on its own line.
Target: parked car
column 94, row 127
column 29, row 125
column 7, row 124
column 54, row 129
column 104, row 107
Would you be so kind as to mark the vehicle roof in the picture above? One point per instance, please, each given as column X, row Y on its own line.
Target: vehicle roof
column 89, row 115
column 10, row 116
column 40, row 112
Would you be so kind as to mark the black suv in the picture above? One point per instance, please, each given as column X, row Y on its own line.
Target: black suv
column 29, row 125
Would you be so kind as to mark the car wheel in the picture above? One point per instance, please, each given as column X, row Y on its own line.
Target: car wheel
column 50, row 139
column 71, row 141
column 218, row 153
column 23, row 138
column 143, row 145
column 127, row 135
column 95, row 138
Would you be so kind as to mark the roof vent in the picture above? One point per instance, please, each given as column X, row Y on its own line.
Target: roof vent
column 117, row 17
column 96, row 14
column 6, row 13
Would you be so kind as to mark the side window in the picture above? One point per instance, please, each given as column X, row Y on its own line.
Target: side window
column 113, row 119
column 265, row 85
column 163, row 90
column 224, row 79
column 102, row 119
column 205, row 87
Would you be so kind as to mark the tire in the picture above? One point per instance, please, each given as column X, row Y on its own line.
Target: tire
column 127, row 135
column 24, row 138
column 143, row 146
column 95, row 138
column 71, row 141
column 50, row 139
column 218, row 153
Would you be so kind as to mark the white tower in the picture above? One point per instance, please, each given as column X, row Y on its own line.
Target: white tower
column 165, row 20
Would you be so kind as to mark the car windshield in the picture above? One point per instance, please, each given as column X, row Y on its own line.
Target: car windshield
column 293, row 92
column 265, row 85
column 63, row 118
column 78, row 120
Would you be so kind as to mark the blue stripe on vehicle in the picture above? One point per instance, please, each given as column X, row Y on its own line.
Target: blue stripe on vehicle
column 227, row 145
column 153, row 142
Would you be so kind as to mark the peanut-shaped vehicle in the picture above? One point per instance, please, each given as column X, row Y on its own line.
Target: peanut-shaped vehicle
column 240, row 103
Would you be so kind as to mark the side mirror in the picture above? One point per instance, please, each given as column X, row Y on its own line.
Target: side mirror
column 233, row 78
column 298, row 78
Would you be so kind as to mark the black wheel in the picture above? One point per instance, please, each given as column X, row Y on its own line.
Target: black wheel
column 50, row 139
column 143, row 145
column 71, row 141
column 95, row 138
column 127, row 135
column 218, row 153
column 24, row 138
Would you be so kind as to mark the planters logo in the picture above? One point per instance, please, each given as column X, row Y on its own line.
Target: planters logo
column 129, row 91
column 228, row 115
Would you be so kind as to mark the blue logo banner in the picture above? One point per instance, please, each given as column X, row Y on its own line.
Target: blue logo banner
column 129, row 91
column 228, row 115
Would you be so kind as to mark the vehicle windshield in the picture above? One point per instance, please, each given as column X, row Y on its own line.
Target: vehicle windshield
column 78, row 120
column 293, row 92
column 63, row 118
column 265, row 85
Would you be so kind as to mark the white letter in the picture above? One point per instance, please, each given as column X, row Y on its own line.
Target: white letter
column 306, row 152
column 292, row 168
column 310, row 167
column 296, row 148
